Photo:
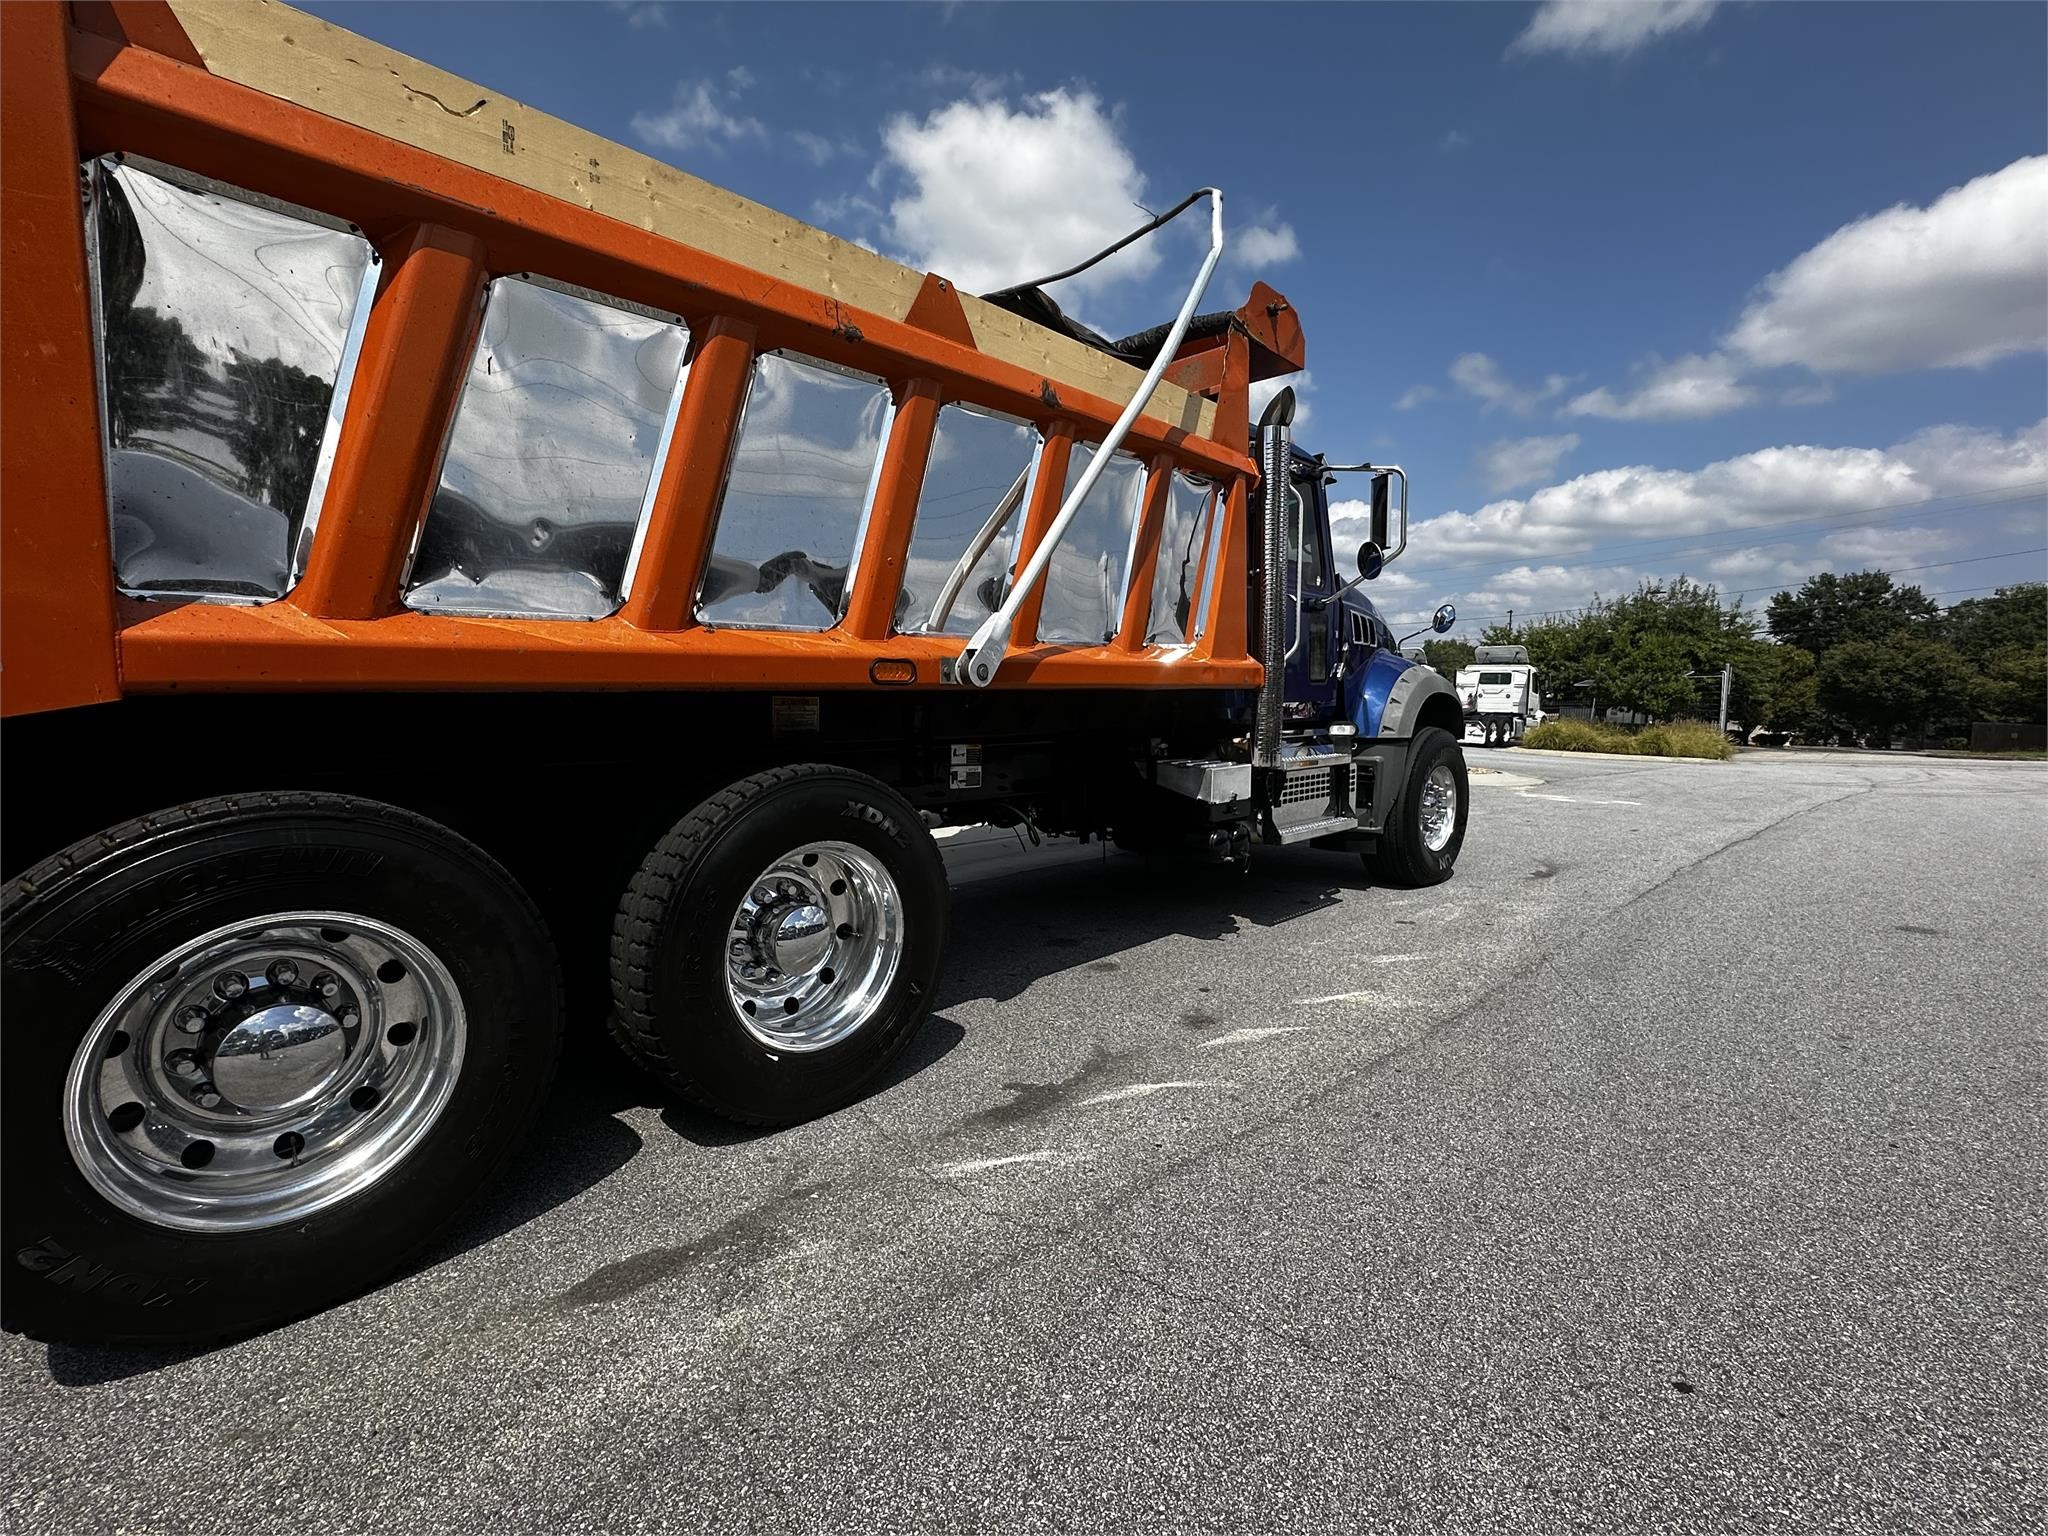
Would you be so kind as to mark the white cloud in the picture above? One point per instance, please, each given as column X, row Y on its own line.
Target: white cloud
column 641, row 13
column 1617, row 27
column 996, row 195
column 1958, row 284
column 1518, row 461
column 1753, row 490
column 819, row 149
column 1260, row 245
column 1485, row 380
column 700, row 115
column 1263, row 391
column 1416, row 394
column 1454, row 140
column 1684, row 390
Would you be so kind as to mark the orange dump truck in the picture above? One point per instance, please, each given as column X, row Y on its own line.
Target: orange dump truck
column 444, row 550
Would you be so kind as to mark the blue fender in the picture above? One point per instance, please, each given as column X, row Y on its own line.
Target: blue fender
column 1380, row 697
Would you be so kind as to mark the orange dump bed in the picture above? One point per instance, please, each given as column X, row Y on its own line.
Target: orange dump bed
column 519, row 408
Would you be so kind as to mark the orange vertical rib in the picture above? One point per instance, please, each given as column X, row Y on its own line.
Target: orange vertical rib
column 1130, row 630
column 415, row 352
column 878, row 575
column 1047, row 492
column 1230, row 602
column 693, row 478
column 57, row 601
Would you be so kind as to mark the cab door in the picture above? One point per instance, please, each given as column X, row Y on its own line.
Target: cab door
column 1315, row 644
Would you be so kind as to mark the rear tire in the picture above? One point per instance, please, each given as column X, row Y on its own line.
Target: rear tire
column 778, row 949
column 262, row 1049
column 1417, row 847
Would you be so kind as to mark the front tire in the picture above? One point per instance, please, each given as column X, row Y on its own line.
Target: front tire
column 262, row 1050
column 1426, row 827
column 778, row 948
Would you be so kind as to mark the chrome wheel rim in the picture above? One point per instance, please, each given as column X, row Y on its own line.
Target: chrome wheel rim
column 264, row 1071
column 1439, row 807
column 813, row 946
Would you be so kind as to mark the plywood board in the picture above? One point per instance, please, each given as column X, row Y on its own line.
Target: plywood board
column 299, row 58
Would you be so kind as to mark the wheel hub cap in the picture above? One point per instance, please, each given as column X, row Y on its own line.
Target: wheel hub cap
column 814, row 946
column 1439, row 807
column 264, row 1071
column 278, row 1056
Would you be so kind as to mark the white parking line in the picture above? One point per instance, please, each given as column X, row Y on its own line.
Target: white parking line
column 955, row 1170
column 1530, row 794
column 1145, row 1091
column 1246, row 1036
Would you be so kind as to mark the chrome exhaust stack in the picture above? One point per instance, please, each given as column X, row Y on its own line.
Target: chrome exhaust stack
column 1276, row 449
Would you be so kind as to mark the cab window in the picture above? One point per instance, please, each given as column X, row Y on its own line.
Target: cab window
column 1304, row 543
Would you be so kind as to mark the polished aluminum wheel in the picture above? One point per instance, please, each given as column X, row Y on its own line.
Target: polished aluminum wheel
column 264, row 1071
column 813, row 947
column 1439, row 807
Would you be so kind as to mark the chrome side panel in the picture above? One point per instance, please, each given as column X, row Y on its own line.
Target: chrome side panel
column 797, row 496
column 1088, row 572
column 1185, row 572
column 552, row 459
column 228, row 329
column 963, row 542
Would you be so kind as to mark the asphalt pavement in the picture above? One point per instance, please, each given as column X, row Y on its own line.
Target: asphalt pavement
column 1677, row 1166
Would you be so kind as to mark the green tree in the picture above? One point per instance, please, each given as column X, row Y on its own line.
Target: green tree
column 1447, row 656
column 1655, row 650
column 1649, row 674
column 2012, row 616
column 1831, row 610
column 2011, row 684
column 1904, row 679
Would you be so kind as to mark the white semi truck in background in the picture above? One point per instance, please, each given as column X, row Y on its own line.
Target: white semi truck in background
column 1499, row 695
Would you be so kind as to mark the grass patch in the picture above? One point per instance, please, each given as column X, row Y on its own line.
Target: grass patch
column 1679, row 738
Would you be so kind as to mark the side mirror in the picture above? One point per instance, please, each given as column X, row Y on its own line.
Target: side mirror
column 1371, row 561
column 1446, row 616
column 1381, row 514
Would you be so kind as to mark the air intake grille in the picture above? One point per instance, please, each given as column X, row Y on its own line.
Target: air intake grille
column 1317, row 784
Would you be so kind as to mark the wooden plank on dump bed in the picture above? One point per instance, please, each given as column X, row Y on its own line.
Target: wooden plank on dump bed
column 299, row 58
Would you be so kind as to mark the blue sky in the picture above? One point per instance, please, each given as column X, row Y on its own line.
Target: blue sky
column 1744, row 290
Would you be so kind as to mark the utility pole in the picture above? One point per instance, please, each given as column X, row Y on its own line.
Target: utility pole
column 1511, row 623
column 1727, row 675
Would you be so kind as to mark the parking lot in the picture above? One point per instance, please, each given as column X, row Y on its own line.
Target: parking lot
column 1677, row 1165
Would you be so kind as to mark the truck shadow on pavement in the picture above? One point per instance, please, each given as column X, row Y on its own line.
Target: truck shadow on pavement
column 1007, row 933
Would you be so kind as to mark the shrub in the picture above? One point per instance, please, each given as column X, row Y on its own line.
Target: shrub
column 1684, row 738
column 1578, row 736
column 1679, row 738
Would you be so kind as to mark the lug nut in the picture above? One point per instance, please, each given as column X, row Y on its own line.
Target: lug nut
column 183, row 1063
column 350, row 1018
column 326, row 985
column 283, row 972
column 209, row 1099
column 230, row 984
column 192, row 1020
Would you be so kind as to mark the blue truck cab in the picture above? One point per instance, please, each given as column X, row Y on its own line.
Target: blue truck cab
column 1357, row 747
